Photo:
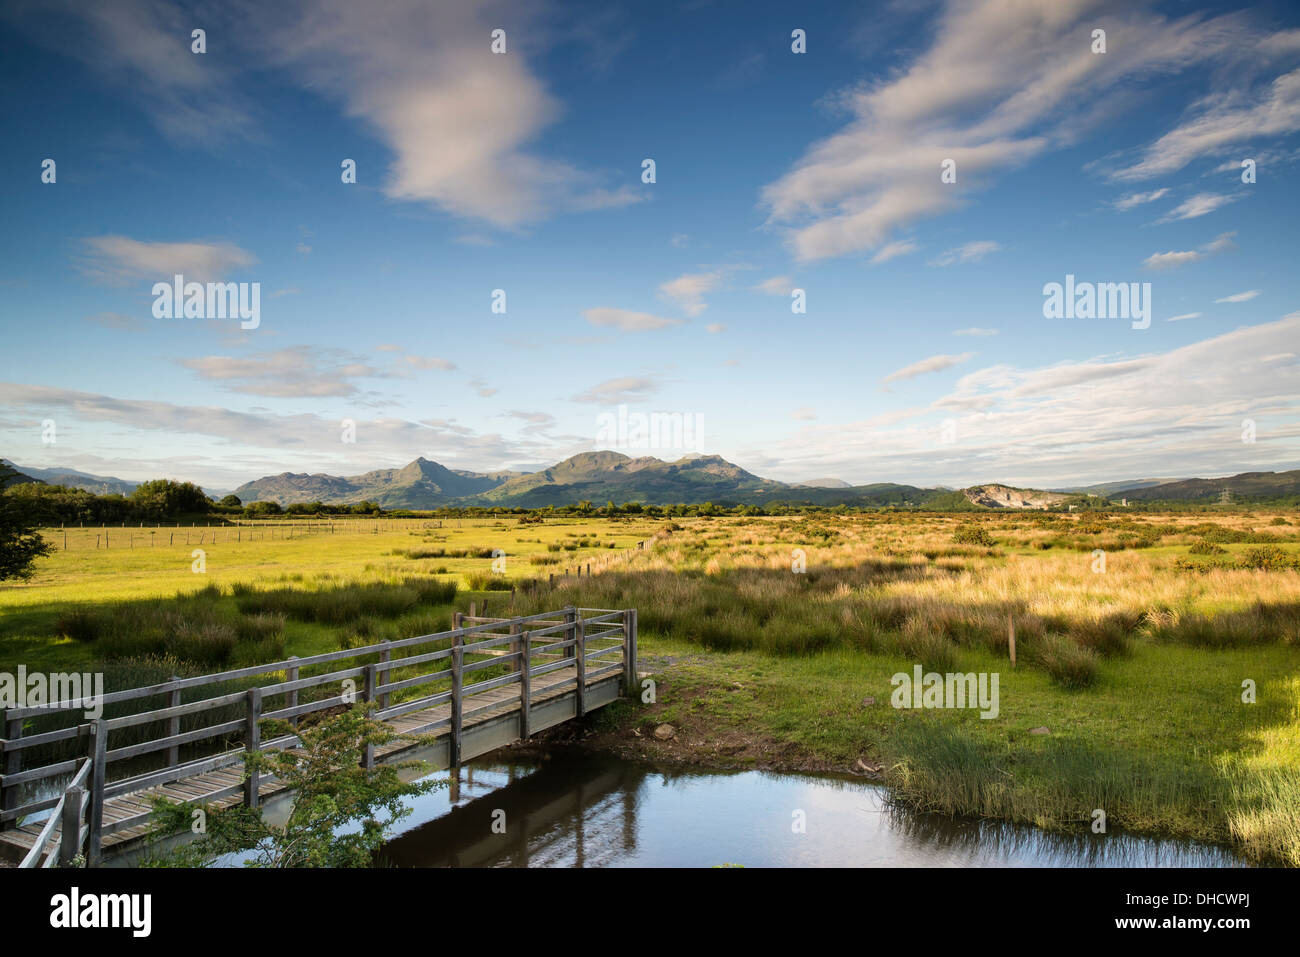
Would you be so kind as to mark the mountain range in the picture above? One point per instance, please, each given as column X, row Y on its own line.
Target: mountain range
column 604, row 476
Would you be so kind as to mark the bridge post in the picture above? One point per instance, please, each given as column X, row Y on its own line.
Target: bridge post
column 98, row 758
column 580, row 658
column 70, row 836
column 252, row 743
column 174, row 724
column 385, row 657
column 525, row 686
column 291, row 698
column 457, row 662
column 514, row 646
column 13, row 763
column 629, row 652
column 372, row 682
column 570, row 617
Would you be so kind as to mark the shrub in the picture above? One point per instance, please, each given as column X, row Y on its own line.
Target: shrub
column 1267, row 558
column 1069, row 664
column 973, row 535
column 78, row 624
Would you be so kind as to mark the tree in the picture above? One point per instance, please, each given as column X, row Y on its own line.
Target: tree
column 20, row 543
column 230, row 501
column 163, row 497
column 342, row 810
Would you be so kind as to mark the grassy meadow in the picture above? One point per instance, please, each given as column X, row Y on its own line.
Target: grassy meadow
column 1134, row 634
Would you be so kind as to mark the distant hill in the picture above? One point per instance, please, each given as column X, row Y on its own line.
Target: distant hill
column 71, row 478
column 1112, row 489
column 420, row 484
column 1248, row 486
column 599, row 477
column 1004, row 496
column 823, row 483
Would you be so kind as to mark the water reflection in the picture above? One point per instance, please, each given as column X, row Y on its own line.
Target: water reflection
column 583, row 811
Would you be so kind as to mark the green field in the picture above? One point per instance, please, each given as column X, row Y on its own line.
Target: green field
column 1135, row 668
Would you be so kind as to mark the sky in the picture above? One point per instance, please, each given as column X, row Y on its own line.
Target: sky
column 504, row 278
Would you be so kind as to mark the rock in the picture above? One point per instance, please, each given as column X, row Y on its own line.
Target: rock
column 868, row 701
column 665, row 732
column 1039, row 731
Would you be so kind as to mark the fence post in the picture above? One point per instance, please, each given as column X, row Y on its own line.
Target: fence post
column 580, row 656
column 381, row 674
column 12, row 765
column 252, row 743
column 525, row 685
column 98, row 752
column 457, row 662
column 70, row 838
column 291, row 699
column 174, row 724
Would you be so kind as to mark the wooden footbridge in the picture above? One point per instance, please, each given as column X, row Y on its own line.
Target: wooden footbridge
column 485, row 684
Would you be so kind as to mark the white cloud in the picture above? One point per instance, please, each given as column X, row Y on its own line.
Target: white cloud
column 1176, row 258
column 716, row 327
column 1000, row 84
column 458, row 119
column 1130, row 200
column 428, row 362
column 776, row 286
column 968, row 253
column 1172, row 259
column 1198, row 205
column 1240, row 296
column 688, row 290
column 627, row 320
column 932, row 364
column 1173, row 413
column 294, row 372
column 119, row 259
column 616, row 391
column 1225, row 120
column 893, row 250
column 1186, row 315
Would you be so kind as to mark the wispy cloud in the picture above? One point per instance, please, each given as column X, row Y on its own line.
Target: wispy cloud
column 893, row 250
column 297, row 372
column 617, row 391
column 120, row 259
column 1175, row 258
column 1131, row 200
column 975, row 331
column 1240, row 296
column 990, row 93
column 627, row 320
column 1186, row 315
column 776, row 286
column 967, row 253
column 1198, row 205
column 688, row 290
column 932, row 364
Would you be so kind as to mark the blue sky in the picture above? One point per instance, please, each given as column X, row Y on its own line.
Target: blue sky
column 924, row 355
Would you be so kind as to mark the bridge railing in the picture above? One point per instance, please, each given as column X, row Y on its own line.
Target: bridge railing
column 400, row 677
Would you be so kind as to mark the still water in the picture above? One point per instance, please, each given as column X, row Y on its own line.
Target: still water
column 584, row 811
